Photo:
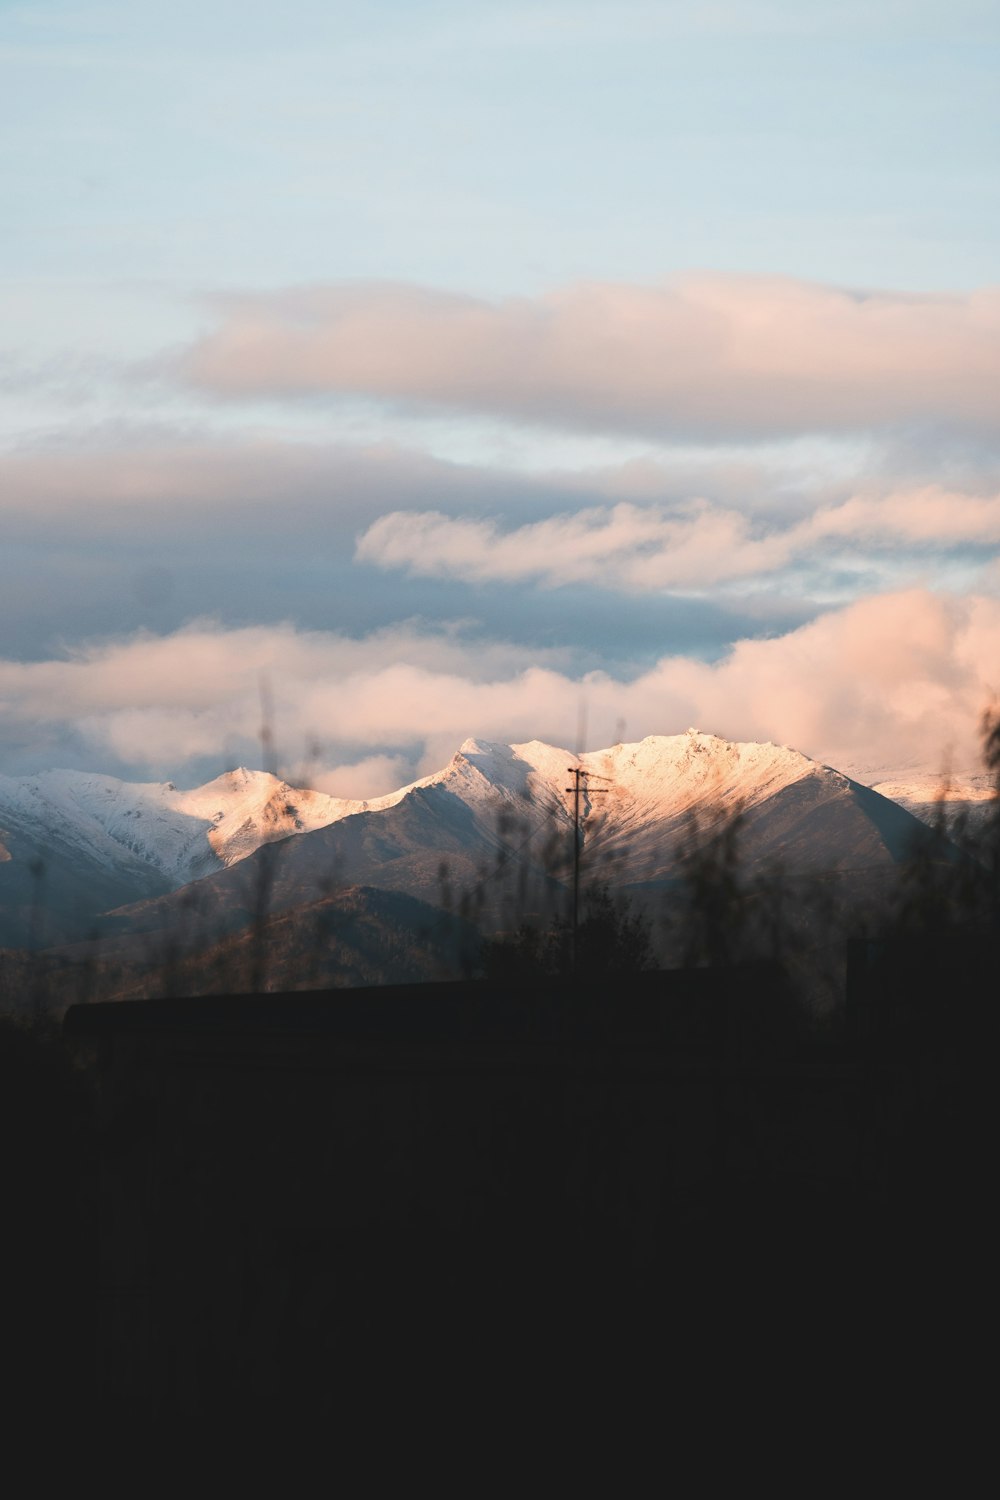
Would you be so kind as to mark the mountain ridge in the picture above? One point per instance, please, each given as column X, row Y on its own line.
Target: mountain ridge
column 149, row 849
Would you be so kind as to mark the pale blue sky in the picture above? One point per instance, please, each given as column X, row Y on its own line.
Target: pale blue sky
column 155, row 158
column 475, row 146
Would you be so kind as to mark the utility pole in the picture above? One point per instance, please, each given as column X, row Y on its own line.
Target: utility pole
column 580, row 777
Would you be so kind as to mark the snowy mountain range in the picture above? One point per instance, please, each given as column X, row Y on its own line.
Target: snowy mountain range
column 495, row 826
column 73, row 844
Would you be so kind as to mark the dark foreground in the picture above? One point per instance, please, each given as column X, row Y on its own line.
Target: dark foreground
column 334, row 1203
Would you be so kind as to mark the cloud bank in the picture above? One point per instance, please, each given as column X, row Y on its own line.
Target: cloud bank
column 716, row 356
column 605, row 586
column 891, row 680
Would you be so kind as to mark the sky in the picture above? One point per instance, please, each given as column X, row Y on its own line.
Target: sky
column 406, row 372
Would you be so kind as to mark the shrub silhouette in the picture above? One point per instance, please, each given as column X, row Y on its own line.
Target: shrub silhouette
column 612, row 939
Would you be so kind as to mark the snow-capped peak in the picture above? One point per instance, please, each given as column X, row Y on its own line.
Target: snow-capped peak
column 633, row 804
column 184, row 834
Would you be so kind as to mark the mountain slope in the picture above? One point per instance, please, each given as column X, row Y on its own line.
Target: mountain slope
column 965, row 803
column 73, row 844
column 806, row 815
column 496, row 827
column 493, row 830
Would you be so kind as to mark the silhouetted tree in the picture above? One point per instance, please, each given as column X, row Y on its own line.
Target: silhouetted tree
column 711, row 914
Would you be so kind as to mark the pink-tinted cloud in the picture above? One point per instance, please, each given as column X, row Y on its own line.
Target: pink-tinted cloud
column 928, row 516
column 621, row 546
column 654, row 547
column 707, row 354
column 372, row 776
column 895, row 679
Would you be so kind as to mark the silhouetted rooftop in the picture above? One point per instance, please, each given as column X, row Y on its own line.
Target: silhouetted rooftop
column 689, row 1005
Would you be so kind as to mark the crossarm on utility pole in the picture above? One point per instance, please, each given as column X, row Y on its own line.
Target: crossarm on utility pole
column 580, row 777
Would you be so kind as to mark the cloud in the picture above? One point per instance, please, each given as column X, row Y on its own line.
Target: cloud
column 372, row 776
column 653, row 547
column 929, row 516
column 649, row 522
column 892, row 680
column 161, row 701
column 167, row 483
column 622, row 546
column 719, row 356
column 150, row 528
column 147, row 529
